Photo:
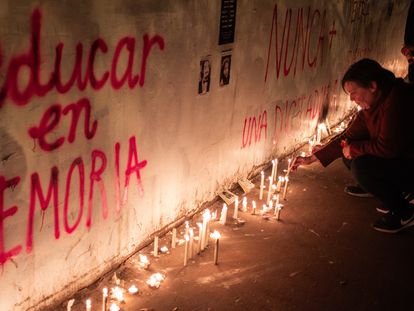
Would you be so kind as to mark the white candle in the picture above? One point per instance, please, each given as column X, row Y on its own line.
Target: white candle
column 133, row 289
column 143, row 261
column 88, row 303
column 206, row 235
column 174, row 238
column 114, row 307
column 269, row 192
column 236, row 208
column 261, row 185
column 200, row 236
column 270, row 204
column 186, row 249
column 187, row 227
column 190, row 252
column 310, row 147
column 244, row 203
column 253, row 207
column 286, row 185
column 277, row 201
column 104, row 298
column 70, row 304
column 279, row 183
column 273, row 170
column 156, row 246
column 223, row 215
column 278, row 208
column 216, row 235
column 264, row 209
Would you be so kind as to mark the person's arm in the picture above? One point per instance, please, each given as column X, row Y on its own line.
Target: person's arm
column 392, row 137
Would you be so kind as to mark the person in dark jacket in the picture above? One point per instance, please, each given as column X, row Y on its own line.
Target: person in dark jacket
column 378, row 145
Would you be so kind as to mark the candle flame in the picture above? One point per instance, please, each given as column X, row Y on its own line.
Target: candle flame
column 133, row 289
column 155, row 280
column 88, row 303
column 114, row 307
column 191, row 231
column 143, row 260
column 118, row 293
column 105, row 292
column 164, row 249
column 215, row 235
column 254, row 204
column 200, row 225
column 286, row 178
column 206, row 215
column 187, row 225
column 262, row 173
column 186, row 237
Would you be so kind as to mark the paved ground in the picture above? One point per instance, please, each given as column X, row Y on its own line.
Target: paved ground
column 322, row 255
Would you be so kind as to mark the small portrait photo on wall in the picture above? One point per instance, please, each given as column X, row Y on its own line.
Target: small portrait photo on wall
column 205, row 75
column 225, row 68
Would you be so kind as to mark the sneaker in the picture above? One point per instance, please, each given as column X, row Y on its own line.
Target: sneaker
column 357, row 191
column 382, row 209
column 392, row 223
column 407, row 196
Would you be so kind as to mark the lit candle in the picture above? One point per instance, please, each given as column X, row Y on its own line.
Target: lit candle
column 269, row 192
column 70, row 304
column 278, row 208
column 164, row 249
column 264, row 209
column 114, row 307
column 216, row 235
column 279, row 183
column 104, row 298
column 156, row 246
column 286, row 185
column 88, row 305
column 174, row 238
column 133, row 290
column 261, row 185
column 290, row 165
column 186, row 249
column 303, row 154
column 155, row 280
column 244, row 203
column 270, row 205
column 223, row 215
column 236, row 207
column 273, row 169
column 143, row 261
column 206, row 217
column 187, row 227
column 253, row 207
column 200, row 236
column 277, row 200
column 310, row 147
column 117, row 293
column 190, row 252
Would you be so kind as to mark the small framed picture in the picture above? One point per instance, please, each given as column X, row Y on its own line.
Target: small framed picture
column 227, row 196
column 205, row 75
column 225, row 67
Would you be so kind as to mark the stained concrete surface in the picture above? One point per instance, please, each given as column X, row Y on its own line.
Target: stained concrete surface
column 322, row 255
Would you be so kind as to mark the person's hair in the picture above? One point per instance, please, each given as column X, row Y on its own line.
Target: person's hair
column 365, row 71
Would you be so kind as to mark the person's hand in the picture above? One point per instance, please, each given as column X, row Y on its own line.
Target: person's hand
column 346, row 150
column 316, row 148
column 303, row 161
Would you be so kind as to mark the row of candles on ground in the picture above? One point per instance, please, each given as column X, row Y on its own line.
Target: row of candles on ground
column 203, row 235
column 117, row 292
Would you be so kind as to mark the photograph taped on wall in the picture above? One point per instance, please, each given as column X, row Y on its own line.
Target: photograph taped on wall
column 205, row 75
column 227, row 196
column 246, row 185
column 225, row 66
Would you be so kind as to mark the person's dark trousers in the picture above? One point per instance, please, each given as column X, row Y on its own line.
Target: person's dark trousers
column 385, row 179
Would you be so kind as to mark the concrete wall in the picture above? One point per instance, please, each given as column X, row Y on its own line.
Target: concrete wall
column 93, row 162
